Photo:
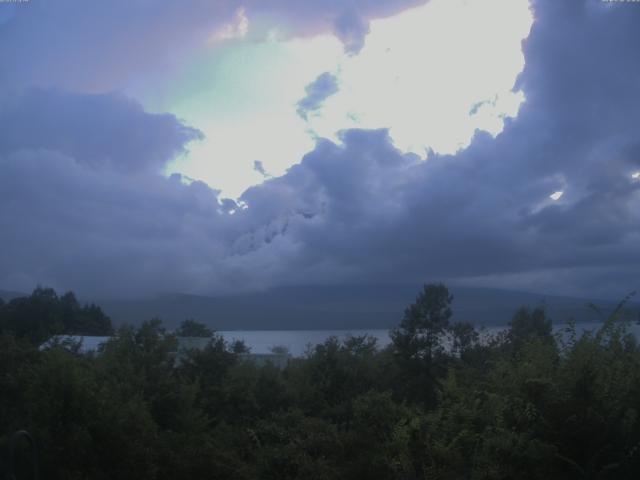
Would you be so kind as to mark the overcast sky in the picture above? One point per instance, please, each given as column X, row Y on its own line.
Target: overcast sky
column 152, row 146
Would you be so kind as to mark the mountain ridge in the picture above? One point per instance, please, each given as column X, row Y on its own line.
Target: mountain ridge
column 339, row 307
column 359, row 307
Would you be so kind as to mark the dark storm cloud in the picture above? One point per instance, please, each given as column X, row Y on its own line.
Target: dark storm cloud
column 316, row 93
column 351, row 29
column 78, row 212
column 102, row 233
column 7, row 13
column 122, row 44
column 83, row 207
column 99, row 130
column 365, row 211
column 98, row 46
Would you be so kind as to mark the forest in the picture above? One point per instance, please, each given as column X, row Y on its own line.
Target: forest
column 442, row 401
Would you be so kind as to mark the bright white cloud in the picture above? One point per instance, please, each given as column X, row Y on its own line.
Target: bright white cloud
column 432, row 75
column 238, row 28
column 243, row 98
column 556, row 195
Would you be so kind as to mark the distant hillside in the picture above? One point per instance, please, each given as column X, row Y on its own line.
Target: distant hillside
column 7, row 295
column 353, row 307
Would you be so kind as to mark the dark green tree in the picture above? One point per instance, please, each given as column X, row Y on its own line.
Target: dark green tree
column 419, row 336
column 529, row 325
column 193, row 328
column 418, row 344
column 43, row 314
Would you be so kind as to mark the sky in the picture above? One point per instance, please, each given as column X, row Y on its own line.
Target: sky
column 153, row 146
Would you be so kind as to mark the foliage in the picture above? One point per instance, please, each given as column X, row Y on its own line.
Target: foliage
column 43, row 314
column 418, row 344
column 192, row 328
column 419, row 334
column 441, row 402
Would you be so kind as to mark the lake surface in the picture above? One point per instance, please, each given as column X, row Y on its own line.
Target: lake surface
column 297, row 341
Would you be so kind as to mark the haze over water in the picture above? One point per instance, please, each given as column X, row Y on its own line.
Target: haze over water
column 297, row 341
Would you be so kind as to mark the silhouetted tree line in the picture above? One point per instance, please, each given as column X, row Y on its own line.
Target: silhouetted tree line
column 44, row 314
column 442, row 401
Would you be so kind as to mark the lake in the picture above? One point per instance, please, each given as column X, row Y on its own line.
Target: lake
column 296, row 341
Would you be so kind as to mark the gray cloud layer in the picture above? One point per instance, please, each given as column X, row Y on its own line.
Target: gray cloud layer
column 83, row 206
column 101, row 46
column 316, row 93
column 107, row 131
column 352, row 29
